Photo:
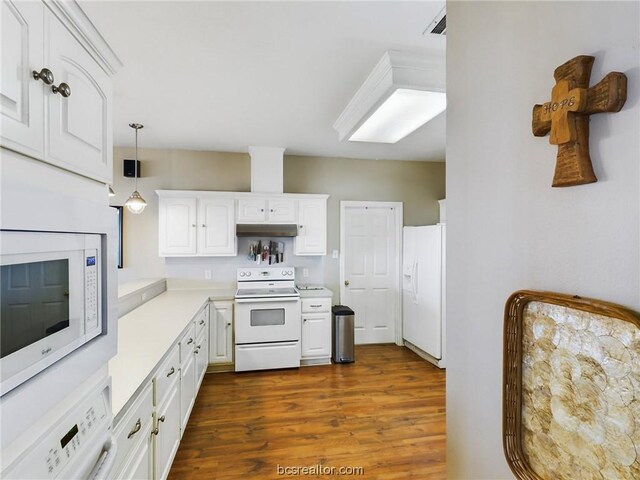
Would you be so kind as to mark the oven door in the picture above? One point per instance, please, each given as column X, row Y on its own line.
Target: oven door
column 259, row 320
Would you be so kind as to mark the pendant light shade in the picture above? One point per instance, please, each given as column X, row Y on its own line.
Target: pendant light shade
column 135, row 203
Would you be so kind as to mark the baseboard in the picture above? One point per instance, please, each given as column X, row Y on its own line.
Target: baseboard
column 307, row 362
column 221, row 368
column 424, row 355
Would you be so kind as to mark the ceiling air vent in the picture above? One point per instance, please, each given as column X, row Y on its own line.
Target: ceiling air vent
column 438, row 25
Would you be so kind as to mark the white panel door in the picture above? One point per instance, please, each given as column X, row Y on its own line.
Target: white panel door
column 370, row 272
column 252, row 210
column 221, row 333
column 217, row 226
column 282, row 210
column 79, row 126
column 22, row 96
column 177, row 226
column 312, row 227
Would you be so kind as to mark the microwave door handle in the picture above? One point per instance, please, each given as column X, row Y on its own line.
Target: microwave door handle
column 263, row 300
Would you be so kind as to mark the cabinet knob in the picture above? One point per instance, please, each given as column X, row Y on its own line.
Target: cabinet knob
column 271, row 210
column 262, row 209
column 301, row 226
column 63, row 89
column 228, row 324
column 155, row 431
column 193, row 225
column 203, row 225
column 304, row 319
column 161, row 419
column 45, row 75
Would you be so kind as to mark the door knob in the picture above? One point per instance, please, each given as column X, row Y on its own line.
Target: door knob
column 346, row 283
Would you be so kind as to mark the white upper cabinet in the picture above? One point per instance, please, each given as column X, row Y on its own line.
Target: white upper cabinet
column 216, row 226
column 22, row 96
column 80, row 125
column 196, row 225
column 177, row 227
column 56, row 97
column 268, row 209
column 312, row 227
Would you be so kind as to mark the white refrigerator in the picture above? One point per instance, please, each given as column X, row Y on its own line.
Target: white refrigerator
column 423, row 281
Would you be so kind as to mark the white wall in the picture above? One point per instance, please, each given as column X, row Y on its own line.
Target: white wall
column 507, row 228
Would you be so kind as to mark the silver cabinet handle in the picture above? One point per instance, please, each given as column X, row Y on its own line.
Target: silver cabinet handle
column 45, row 75
column 171, row 372
column 201, row 322
column 190, row 341
column 155, row 431
column 63, row 89
column 136, row 428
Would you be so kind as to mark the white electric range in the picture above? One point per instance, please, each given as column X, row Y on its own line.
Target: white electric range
column 267, row 319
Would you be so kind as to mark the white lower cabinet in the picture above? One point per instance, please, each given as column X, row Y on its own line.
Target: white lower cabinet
column 221, row 333
column 316, row 330
column 149, row 432
column 167, row 433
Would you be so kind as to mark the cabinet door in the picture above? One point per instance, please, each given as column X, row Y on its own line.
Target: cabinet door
column 79, row 131
column 217, row 226
column 312, row 227
column 177, row 226
column 187, row 390
column 202, row 358
column 168, row 437
column 140, row 464
column 282, row 210
column 316, row 335
column 22, row 97
column 221, row 333
column 252, row 210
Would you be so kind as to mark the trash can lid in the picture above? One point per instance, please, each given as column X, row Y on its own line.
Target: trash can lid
column 341, row 310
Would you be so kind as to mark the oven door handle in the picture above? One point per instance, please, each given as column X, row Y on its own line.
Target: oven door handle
column 264, row 300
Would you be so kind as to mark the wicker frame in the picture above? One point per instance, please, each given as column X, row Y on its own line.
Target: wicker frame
column 512, row 365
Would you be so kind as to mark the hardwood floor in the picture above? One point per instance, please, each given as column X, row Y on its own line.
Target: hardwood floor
column 385, row 413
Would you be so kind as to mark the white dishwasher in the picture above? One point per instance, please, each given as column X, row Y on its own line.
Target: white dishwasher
column 78, row 445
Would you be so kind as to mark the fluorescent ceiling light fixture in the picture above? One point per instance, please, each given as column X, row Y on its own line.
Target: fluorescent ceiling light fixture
column 402, row 93
column 402, row 113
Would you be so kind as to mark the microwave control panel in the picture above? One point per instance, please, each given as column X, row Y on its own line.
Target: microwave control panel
column 91, row 288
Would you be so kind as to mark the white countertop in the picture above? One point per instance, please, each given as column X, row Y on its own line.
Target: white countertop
column 146, row 334
column 323, row 292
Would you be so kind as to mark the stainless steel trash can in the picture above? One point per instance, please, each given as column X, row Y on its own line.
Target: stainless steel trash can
column 342, row 338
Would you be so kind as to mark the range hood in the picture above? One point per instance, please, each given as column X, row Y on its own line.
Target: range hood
column 266, row 230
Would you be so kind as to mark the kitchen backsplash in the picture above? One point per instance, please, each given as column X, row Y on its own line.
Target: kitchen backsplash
column 223, row 269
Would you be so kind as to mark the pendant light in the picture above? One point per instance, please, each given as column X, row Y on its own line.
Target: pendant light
column 135, row 203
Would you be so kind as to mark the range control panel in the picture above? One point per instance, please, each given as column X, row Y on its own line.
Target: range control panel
column 68, row 442
column 270, row 273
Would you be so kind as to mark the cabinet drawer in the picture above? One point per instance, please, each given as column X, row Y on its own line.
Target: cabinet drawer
column 131, row 428
column 187, row 344
column 310, row 305
column 167, row 374
column 202, row 320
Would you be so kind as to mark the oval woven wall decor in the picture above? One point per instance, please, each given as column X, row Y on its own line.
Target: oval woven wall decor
column 571, row 388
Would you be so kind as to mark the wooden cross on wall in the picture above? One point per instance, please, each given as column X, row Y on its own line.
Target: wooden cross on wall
column 566, row 116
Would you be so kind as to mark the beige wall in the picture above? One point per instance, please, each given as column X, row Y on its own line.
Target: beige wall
column 418, row 184
column 507, row 228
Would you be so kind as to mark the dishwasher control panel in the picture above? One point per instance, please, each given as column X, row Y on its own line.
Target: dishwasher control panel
column 68, row 441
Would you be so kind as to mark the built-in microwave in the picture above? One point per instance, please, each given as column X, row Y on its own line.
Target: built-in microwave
column 52, row 296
